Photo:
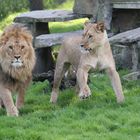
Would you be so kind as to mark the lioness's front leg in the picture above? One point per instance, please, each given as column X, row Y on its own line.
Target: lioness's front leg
column 8, row 102
column 82, row 77
column 116, row 83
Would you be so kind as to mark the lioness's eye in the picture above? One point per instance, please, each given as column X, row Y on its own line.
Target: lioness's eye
column 22, row 47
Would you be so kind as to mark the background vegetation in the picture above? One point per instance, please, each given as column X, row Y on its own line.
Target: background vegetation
column 9, row 9
column 97, row 118
column 11, row 6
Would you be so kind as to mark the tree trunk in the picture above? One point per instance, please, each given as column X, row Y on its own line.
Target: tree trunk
column 36, row 5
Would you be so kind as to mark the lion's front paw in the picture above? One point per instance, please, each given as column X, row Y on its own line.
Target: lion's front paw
column 13, row 112
column 54, row 96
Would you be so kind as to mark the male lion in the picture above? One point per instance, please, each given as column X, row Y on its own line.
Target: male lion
column 95, row 52
column 17, row 59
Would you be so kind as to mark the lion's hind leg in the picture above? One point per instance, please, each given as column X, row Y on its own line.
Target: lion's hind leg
column 116, row 83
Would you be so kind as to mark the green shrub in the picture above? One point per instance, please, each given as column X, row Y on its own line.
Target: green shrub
column 11, row 6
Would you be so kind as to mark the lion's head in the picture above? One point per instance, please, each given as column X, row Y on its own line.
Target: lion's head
column 17, row 56
column 94, row 35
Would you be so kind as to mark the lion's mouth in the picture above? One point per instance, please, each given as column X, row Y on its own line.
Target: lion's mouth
column 17, row 63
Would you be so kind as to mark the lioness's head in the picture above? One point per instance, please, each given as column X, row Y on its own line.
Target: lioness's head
column 17, row 55
column 93, row 36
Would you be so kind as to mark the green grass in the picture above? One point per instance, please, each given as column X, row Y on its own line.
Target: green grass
column 67, row 26
column 98, row 118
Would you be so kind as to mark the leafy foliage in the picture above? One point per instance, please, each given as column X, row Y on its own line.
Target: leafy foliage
column 11, row 6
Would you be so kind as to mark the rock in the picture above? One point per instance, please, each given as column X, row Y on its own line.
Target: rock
column 126, row 50
column 48, row 40
column 127, row 37
column 47, row 16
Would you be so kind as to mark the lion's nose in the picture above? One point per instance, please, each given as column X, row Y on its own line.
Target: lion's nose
column 17, row 56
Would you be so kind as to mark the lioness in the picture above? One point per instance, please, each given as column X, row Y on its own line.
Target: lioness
column 83, row 52
column 17, row 59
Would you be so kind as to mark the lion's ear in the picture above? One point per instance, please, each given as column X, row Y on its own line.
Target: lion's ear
column 100, row 26
column 3, row 39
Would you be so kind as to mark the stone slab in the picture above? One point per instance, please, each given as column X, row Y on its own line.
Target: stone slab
column 127, row 37
column 47, row 16
column 126, row 5
column 48, row 40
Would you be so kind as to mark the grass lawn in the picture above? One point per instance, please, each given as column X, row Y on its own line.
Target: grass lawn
column 97, row 118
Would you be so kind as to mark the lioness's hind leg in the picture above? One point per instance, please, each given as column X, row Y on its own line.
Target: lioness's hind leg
column 116, row 83
column 60, row 70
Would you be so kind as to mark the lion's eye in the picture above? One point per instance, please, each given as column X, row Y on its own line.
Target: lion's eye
column 22, row 47
column 90, row 36
column 11, row 47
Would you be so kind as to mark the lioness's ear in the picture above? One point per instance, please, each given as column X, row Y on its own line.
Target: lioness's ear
column 100, row 26
column 87, row 22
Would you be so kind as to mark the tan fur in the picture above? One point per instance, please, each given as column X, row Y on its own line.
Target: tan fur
column 17, row 59
column 94, row 52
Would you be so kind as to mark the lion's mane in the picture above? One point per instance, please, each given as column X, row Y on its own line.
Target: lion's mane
column 20, row 33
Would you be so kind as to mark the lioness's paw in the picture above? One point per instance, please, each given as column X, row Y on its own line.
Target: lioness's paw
column 84, row 95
